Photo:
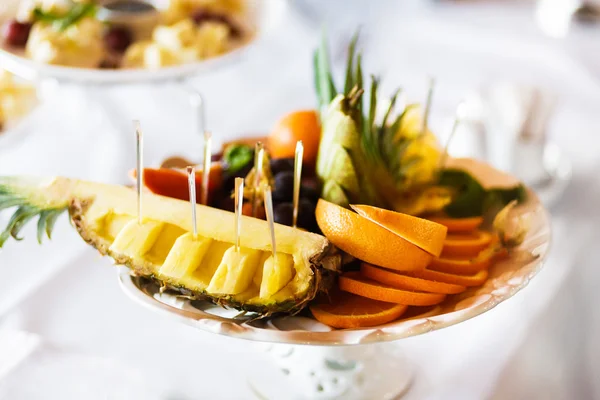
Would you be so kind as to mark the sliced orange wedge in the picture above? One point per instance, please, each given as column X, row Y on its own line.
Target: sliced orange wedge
column 466, row 245
column 459, row 225
column 353, row 282
column 368, row 241
column 423, row 233
column 462, row 266
column 344, row 310
column 477, row 279
column 404, row 282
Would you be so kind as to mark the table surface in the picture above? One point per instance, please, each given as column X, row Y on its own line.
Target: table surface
column 540, row 344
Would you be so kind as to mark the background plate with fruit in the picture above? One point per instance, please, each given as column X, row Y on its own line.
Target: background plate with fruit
column 91, row 41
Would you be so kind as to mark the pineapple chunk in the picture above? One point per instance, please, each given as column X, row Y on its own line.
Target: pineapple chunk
column 211, row 262
column 277, row 272
column 137, row 239
column 236, row 271
column 185, row 256
column 259, row 271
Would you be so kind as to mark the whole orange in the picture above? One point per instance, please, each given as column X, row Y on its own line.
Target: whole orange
column 298, row 125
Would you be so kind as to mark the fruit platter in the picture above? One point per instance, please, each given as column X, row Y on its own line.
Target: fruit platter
column 123, row 40
column 347, row 224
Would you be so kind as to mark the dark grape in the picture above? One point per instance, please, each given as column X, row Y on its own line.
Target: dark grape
column 216, row 157
column 118, row 39
column 306, row 215
column 227, row 203
column 16, row 33
column 202, row 15
column 309, row 193
column 281, row 165
column 229, row 179
column 284, row 213
column 284, row 186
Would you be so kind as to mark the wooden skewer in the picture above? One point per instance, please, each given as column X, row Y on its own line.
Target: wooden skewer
column 207, row 166
column 299, row 155
column 239, row 203
column 270, row 219
column 140, row 166
column 259, row 153
column 428, row 106
column 191, row 171
column 460, row 114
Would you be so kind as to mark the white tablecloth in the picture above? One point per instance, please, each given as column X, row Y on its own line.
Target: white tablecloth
column 540, row 344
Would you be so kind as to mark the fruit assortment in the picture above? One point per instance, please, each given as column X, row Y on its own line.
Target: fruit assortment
column 386, row 221
column 77, row 33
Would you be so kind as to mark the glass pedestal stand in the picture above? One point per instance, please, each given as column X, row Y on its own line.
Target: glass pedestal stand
column 299, row 372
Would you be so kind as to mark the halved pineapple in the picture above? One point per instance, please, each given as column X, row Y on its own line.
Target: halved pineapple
column 162, row 247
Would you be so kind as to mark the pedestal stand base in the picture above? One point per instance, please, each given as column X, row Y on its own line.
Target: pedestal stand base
column 366, row 372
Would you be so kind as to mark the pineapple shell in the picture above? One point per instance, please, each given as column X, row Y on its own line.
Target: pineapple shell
column 101, row 213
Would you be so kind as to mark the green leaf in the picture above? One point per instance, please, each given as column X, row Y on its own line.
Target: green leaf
column 78, row 12
column 327, row 88
column 469, row 201
column 350, row 81
column 51, row 220
column 237, row 156
column 41, row 226
column 20, row 219
column 472, row 199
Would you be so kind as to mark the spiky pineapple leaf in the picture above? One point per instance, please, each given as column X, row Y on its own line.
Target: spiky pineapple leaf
column 24, row 213
column 324, row 84
column 351, row 80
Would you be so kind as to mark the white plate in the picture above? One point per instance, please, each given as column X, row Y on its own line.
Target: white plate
column 263, row 15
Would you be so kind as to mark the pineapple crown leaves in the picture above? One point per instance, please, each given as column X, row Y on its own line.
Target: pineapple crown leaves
column 380, row 140
column 24, row 213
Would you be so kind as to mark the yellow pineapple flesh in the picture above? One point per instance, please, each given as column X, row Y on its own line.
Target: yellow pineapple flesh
column 162, row 247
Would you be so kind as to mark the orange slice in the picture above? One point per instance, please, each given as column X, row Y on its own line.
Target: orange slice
column 407, row 282
column 368, row 241
column 462, row 266
column 459, row 225
column 477, row 279
column 466, row 245
column 352, row 282
column 345, row 310
column 423, row 233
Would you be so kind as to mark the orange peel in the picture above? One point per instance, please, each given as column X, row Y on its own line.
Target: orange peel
column 345, row 310
column 466, row 245
column 404, row 282
column 459, row 225
column 423, row 233
column 368, row 241
column 354, row 283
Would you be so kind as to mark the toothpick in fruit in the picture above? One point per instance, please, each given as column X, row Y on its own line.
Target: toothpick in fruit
column 191, row 171
column 207, row 165
column 270, row 219
column 428, row 105
column 259, row 153
column 299, row 155
column 239, row 203
column 140, row 165
column 460, row 114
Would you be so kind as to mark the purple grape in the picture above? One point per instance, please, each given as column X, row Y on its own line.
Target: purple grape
column 16, row 33
column 118, row 39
